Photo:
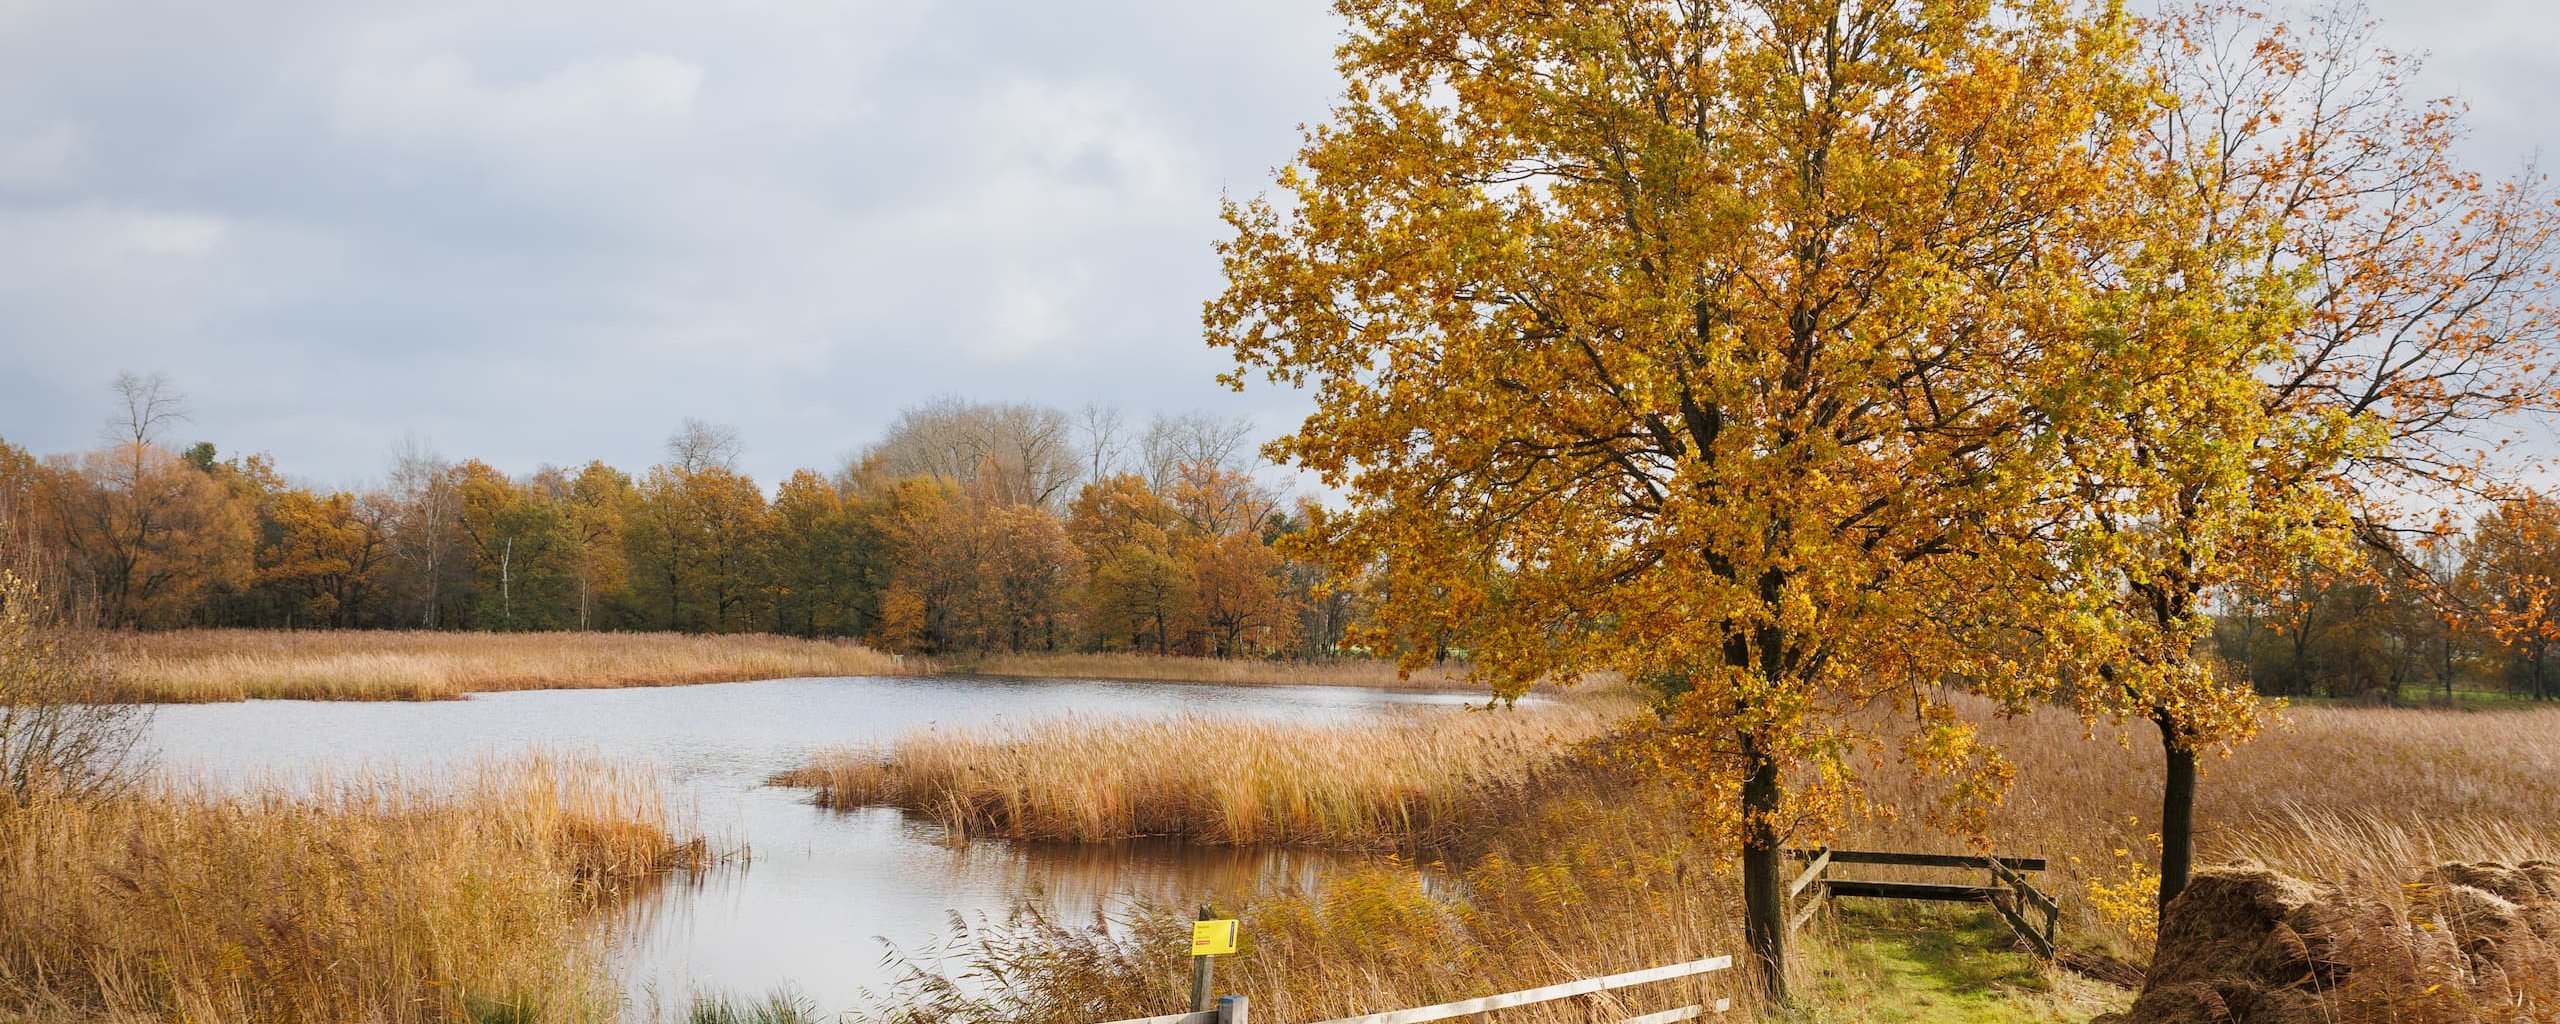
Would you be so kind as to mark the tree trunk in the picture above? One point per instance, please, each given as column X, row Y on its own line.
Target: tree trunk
column 1764, row 906
column 2177, row 810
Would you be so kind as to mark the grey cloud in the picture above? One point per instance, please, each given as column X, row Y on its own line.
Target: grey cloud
column 547, row 232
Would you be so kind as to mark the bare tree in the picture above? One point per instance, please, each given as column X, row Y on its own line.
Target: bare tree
column 140, row 528
column 1018, row 453
column 1106, row 438
column 1172, row 443
column 150, row 405
column 700, row 444
column 422, row 491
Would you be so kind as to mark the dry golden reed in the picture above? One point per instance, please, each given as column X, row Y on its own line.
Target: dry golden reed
column 238, row 664
column 1591, row 880
column 1593, row 870
column 1411, row 779
column 2366, row 796
column 367, row 899
column 1224, row 671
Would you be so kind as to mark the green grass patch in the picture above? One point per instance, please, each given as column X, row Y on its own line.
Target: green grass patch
column 1916, row 964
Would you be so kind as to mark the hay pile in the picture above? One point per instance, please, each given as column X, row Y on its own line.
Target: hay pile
column 2467, row 942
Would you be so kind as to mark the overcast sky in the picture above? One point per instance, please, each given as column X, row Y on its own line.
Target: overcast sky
column 536, row 232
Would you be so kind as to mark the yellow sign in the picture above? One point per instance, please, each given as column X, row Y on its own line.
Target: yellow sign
column 1213, row 938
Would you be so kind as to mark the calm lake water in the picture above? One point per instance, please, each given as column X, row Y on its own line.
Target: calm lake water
column 825, row 895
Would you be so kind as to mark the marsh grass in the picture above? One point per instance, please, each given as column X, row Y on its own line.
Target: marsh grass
column 781, row 1006
column 1593, row 869
column 2368, row 797
column 188, row 666
column 1415, row 779
column 362, row 899
column 1365, row 672
column 1590, row 883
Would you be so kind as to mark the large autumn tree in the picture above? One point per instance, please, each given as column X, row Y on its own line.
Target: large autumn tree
column 1691, row 341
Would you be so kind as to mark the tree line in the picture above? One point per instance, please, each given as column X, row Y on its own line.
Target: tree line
column 978, row 527
column 2462, row 610
column 970, row 527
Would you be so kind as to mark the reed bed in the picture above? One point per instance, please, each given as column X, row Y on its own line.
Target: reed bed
column 191, row 666
column 1365, row 672
column 1412, row 780
column 1587, row 882
column 1593, row 870
column 2361, row 796
column 365, row 899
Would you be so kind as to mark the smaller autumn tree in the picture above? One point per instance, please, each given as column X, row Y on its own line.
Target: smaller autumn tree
column 1236, row 598
column 597, row 501
column 826, row 558
column 2511, row 572
column 1136, row 591
column 523, row 548
column 145, row 532
column 1027, row 572
column 323, row 557
column 931, row 576
column 2345, row 327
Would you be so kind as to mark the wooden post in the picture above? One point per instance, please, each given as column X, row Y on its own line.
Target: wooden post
column 1231, row 1010
column 1200, row 972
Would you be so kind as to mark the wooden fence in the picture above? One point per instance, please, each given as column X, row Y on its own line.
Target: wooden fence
column 1233, row 1009
column 2017, row 900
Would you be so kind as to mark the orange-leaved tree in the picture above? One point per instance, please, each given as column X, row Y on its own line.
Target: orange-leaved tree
column 1699, row 341
column 2511, row 573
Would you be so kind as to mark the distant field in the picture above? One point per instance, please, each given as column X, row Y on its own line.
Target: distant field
column 201, row 665
column 1175, row 668
column 189, row 666
column 2463, row 699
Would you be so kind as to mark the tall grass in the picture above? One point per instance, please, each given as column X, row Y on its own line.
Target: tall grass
column 781, row 1006
column 365, row 899
column 1591, row 882
column 1415, row 779
column 1594, row 870
column 238, row 664
column 1542, row 867
column 1223, row 671
column 2371, row 797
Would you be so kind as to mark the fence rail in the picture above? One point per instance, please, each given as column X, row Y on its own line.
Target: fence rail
column 2008, row 893
column 1202, row 1017
column 1231, row 1009
column 1566, row 990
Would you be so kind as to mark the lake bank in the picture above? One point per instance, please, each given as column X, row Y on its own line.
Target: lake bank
column 821, row 896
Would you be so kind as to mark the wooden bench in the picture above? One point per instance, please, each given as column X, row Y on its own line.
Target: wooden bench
column 2007, row 891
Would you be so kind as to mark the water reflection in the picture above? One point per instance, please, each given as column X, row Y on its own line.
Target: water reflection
column 823, row 896
column 1077, row 877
